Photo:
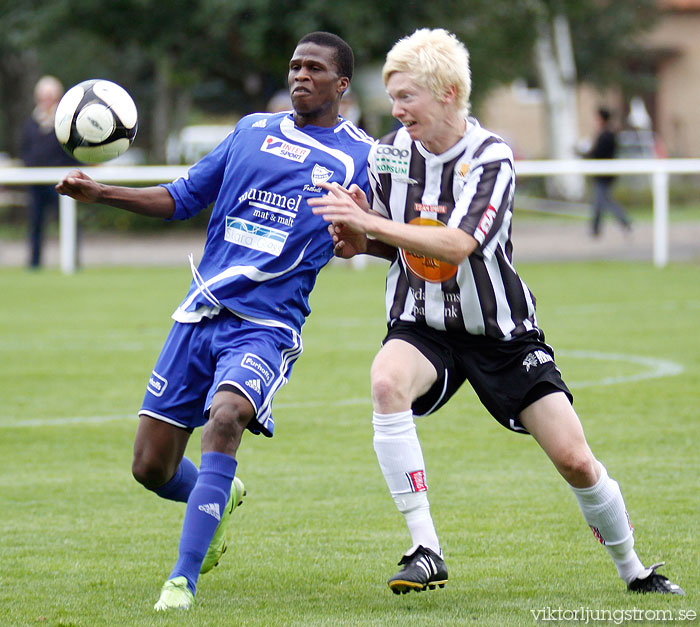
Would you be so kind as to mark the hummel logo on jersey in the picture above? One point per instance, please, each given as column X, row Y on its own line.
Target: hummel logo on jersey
column 254, row 384
column 281, row 148
column 212, row 509
column 535, row 358
column 260, row 123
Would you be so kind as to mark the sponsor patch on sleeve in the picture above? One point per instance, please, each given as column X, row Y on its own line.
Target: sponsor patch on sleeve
column 485, row 224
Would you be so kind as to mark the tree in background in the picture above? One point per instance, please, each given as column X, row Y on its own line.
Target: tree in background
column 574, row 40
column 225, row 56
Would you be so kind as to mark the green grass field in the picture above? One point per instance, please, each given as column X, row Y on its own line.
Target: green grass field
column 318, row 535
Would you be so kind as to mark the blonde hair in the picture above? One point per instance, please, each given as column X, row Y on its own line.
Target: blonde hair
column 436, row 60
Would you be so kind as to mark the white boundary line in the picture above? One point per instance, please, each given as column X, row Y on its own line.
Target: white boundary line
column 655, row 369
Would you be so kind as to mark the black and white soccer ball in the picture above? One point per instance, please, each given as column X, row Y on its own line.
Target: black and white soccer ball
column 96, row 121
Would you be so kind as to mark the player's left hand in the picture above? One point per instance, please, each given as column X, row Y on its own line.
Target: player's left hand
column 347, row 243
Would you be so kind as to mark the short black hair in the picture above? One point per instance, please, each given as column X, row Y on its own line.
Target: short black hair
column 344, row 58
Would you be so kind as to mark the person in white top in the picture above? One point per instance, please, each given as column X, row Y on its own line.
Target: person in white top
column 440, row 210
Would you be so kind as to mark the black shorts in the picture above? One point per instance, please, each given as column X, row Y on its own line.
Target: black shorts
column 507, row 375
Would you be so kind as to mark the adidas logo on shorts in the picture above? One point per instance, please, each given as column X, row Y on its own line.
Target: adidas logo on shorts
column 254, row 384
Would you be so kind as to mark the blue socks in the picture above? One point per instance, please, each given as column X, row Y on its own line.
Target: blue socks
column 180, row 486
column 204, row 507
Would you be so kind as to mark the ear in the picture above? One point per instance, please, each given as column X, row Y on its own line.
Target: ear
column 343, row 84
column 449, row 95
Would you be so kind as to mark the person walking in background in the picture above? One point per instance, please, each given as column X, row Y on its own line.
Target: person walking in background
column 41, row 148
column 605, row 147
column 457, row 310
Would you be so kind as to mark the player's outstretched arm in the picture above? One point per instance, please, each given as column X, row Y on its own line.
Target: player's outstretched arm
column 447, row 244
column 155, row 202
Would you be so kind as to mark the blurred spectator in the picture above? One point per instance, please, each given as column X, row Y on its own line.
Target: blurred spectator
column 281, row 101
column 41, row 148
column 350, row 108
column 605, row 147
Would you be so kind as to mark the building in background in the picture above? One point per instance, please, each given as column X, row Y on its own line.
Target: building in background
column 517, row 111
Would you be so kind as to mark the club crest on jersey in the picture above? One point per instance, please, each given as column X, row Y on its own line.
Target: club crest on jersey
column 281, row 148
column 462, row 169
column 254, row 236
column 319, row 175
column 258, row 366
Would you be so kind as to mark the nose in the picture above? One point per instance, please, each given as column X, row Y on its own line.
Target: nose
column 302, row 74
column 396, row 109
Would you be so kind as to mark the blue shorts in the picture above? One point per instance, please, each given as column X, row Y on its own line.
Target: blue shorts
column 198, row 358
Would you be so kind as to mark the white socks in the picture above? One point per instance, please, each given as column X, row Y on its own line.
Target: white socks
column 401, row 461
column 604, row 510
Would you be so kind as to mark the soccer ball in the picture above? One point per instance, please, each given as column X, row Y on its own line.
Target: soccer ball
column 96, row 121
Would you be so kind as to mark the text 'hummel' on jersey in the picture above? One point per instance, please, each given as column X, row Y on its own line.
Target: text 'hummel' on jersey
column 251, row 235
column 284, row 149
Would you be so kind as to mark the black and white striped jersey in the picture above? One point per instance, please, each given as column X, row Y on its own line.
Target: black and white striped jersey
column 469, row 187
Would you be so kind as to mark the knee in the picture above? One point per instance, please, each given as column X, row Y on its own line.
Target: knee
column 579, row 468
column 228, row 419
column 389, row 394
column 150, row 473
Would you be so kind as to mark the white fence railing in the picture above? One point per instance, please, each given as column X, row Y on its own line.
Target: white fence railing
column 658, row 169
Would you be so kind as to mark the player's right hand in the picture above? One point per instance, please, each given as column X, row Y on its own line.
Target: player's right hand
column 80, row 186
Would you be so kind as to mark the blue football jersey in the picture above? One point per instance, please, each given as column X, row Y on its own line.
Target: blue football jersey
column 264, row 246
